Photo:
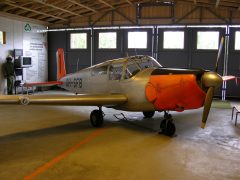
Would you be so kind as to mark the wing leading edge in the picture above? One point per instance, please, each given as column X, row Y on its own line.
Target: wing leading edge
column 71, row 100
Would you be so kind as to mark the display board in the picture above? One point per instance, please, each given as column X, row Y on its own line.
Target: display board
column 35, row 46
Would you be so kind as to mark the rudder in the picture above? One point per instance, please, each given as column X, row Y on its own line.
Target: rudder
column 61, row 69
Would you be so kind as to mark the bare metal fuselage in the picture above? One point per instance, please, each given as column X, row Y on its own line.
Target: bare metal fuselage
column 84, row 82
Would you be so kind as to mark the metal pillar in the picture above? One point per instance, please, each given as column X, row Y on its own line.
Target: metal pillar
column 225, row 62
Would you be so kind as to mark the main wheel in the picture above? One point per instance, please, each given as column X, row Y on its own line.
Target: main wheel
column 148, row 114
column 96, row 118
column 163, row 124
column 167, row 127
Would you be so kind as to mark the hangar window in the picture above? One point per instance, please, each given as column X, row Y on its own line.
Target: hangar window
column 137, row 40
column 237, row 40
column 173, row 40
column 207, row 40
column 107, row 40
column 2, row 37
column 78, row 41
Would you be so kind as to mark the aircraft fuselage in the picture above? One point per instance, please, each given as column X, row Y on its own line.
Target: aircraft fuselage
column 151, row 88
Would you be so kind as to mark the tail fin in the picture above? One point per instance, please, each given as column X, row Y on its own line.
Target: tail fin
column 61, row 70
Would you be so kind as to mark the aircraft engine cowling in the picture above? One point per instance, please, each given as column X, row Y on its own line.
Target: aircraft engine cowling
column 177, row 92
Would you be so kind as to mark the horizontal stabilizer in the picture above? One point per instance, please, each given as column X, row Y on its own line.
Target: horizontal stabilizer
column 227, row 78
column 39, row 84
column 71, row 100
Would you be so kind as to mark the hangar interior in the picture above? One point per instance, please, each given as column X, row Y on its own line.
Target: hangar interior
column 58, row 142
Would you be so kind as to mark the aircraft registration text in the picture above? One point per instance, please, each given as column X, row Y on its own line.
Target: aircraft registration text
column 75, row 83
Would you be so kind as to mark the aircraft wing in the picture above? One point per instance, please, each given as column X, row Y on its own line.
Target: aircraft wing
column 72, row 100
column 39, row 84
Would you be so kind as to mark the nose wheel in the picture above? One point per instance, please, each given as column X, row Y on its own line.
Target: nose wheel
column 96, row 117
column 167, row 126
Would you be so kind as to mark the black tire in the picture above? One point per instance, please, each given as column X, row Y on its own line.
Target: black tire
column 148, row 114
column 170, row 129
column 163, row 124
column 167, row 127
column 96, row 118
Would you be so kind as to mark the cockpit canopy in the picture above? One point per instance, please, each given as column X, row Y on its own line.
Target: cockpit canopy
column 125, row 68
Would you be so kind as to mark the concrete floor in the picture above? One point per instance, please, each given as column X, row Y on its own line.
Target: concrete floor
column 56, row 142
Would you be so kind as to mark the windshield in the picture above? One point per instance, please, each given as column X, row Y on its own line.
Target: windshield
column 136, row 64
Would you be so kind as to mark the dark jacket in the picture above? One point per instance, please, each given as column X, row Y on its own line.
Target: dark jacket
column 8, row 69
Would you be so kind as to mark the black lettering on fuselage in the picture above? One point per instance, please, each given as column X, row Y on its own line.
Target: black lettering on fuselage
column 75, row 82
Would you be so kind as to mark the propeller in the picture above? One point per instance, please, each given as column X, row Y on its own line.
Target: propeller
column 219, row 53
column 211, row 80
column 207, row 106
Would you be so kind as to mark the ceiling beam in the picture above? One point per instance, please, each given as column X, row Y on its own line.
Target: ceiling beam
column 217, row 3
column 20, row 18
column 7, row 8
column 22, row 11
column 28, row 9
column 124, row 16
column 218, row 16
column 82, row 5
column 129, row 2
column 187, row 14
column 195, row 1
column 102, row 16
column 56, row 7
column 205, row 4
column 107, row 4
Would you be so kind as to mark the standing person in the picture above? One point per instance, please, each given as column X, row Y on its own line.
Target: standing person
column 8, row 72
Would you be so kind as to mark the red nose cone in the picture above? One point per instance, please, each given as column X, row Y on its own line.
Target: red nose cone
column 175, row 92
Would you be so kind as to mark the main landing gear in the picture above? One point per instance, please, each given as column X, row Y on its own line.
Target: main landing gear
column 96, row 117
column 167, row 126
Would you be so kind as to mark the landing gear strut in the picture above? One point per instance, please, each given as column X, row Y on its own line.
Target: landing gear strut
column 96, row 117
column 167, row 126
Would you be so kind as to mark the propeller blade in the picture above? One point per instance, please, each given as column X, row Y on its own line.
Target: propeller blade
column 207, row 105
column 219, row 53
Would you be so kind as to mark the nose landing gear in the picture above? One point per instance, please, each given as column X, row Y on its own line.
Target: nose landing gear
column 167, row 126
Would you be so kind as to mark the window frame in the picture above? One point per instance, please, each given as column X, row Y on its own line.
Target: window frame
column 160, row 42
column 138, row 48
column 174, row 49
column 234, row 40
column 99, row 71
column 98, row 40
column 71, row 40
column 207, row 30
column 88, row 47
column 3, row 38
column 114, row 76
column 137, row 51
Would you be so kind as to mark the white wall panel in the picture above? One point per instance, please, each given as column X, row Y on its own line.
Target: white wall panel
column 16, row 36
